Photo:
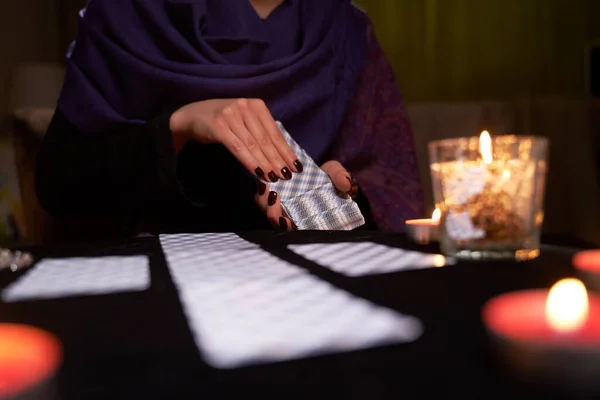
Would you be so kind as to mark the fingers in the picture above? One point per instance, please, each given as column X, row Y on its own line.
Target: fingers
column 275, row 213
column 262, row 138
column 238, row 148
column 283, row 149
column 268, row 201
column 339, row 176
column 249, row 132
column 286, row 224
column 262, row 195
column 273, row 210
column 264, row 169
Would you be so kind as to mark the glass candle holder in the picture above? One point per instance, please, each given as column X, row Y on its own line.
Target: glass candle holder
column 490, row 191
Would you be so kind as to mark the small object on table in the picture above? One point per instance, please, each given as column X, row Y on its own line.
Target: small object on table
column 426, row 230
column 490, row 191
column 587, row 264
column 15, row 260
column 29, row 360
column 548, row 337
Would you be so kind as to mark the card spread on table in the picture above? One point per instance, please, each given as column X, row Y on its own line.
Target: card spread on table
column 68, row 277
column 249, row 307
column 311, row 200
column 367, row 258
column 227, row 241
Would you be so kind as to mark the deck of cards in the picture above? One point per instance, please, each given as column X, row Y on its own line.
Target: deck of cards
column 311, row 200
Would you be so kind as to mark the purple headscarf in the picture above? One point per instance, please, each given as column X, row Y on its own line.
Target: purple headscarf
column 133, row 58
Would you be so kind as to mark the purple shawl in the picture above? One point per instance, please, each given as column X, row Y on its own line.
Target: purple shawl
column 134, row 58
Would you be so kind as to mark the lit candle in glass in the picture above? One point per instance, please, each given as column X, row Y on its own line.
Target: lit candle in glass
column 490, row 189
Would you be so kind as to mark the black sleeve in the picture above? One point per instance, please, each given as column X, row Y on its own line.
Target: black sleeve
column 365, row 208
column 128, row 172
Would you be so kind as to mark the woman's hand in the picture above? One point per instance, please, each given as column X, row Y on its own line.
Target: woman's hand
column 268, row 201
column 245, row 127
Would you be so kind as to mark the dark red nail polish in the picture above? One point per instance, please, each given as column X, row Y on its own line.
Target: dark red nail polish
column 273, row 177
column 285, row 172
column 282, row 224
column 272, row 198
column 299, row 166
column 259, row 172
column 261, row 188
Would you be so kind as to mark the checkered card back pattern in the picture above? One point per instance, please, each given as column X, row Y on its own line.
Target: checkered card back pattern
column 310, row 196
column 346, row 217
column 249, row 307
column 313, row 202
column 367, row 258
column 57, row 278
column 311, row 177
column 207, row 241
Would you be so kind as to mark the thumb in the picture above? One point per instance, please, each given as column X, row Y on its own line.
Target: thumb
column 338, row 175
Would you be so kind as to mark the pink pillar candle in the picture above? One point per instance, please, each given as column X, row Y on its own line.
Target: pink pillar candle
column 556, row 343
column 587, row 264
column 29, row 358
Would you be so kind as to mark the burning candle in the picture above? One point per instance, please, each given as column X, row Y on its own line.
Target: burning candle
column 490, row 188
column 588, row 265
column 29, row 357
column 424, row 230
column 552, row 336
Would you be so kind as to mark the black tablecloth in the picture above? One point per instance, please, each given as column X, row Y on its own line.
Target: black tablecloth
column 138, row 345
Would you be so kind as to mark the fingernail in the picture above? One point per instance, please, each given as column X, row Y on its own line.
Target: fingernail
column 282, row 224
column 273, row 177
column 350, row 180
column 261, row 188
column 299, row 166
column 272, row 198
column 286, row 173
column 259, row 172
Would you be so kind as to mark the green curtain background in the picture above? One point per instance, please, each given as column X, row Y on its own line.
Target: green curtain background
column 466, row 50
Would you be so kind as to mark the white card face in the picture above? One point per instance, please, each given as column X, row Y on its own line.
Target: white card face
column 68, row 277
column 248, row 307
column 367, row 258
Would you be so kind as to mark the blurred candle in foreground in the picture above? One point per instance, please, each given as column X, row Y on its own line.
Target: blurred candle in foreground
column 29, row 358
column 425, row 230
column 587, row 264
column 567, row 306
column 552, row 335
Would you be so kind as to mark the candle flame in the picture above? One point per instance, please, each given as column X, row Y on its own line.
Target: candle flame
column 439, row 260
column 567, row 305
column 436, row 215
column 485, row 147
